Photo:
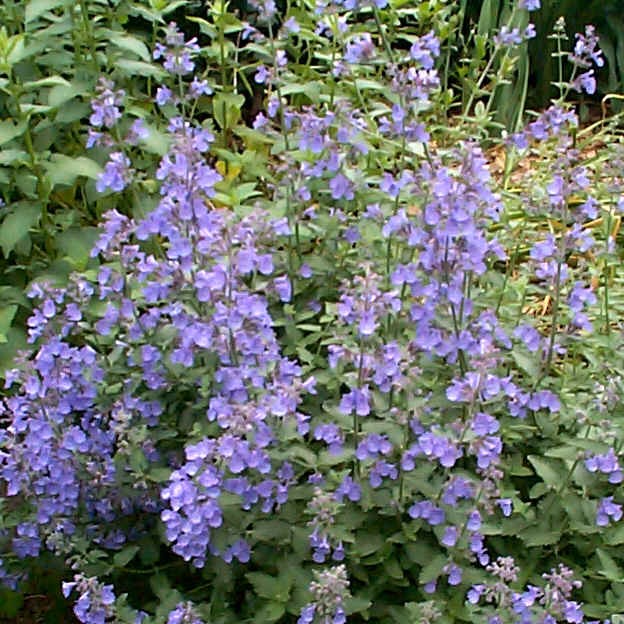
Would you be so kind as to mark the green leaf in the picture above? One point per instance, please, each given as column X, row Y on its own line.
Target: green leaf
column 50, row 81
column 35, row 109
column 159, row 475
column 368, row 543
column 356, row 604
column 13, row 157
column 77, row 243
column 270, row 612
column 273, row 588
column 7, row 314
column 60, row 94
column 140, row 68
column 156, row 142
column 538, row 536
column 17, row 225
column 529, row 364
column 226, row 108
column 433, row 569
column 551, row 471
column 149, row 551
column 160, row 585
column 205, row 27
column 272, row 530
column 10, row 603
column 36, row 8
column 64, row 170
column 130, row 44
column 609, row 568
column 125, row 555
column 15, row 341
column 10, row 130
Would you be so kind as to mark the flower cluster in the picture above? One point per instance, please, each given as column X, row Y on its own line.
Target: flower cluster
column 329, row 590
column 95, row 604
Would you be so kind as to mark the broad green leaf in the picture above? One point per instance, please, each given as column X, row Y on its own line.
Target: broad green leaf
column 10, row 130
column 227, row 108
column 60, row 94
column 368, row 543
column 551, row 471
column 130, row 44
column 156, row 142
column 124, row 556
column 7, row 313
column 609, row 568
column 64, row 170
column 356, row 604
column 270, row 611
column 537, row 536
column 16, row 225
column 276, row 530
column 205, row 27
column 51, row 81
column 160, row 585
column 159, row 475
column 433, row 569
column 13, row 157
column 77, row 243
column 15, row 341
column 35, row 109
column 371, row 85
column 271, row 587
column 140, row 68
column 36, row 8
column 529, row 364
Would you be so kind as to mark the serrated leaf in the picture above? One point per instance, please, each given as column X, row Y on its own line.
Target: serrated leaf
column 271, row 587
column 614, row 536
column 433, row 569
column 537, row 536
column 609, row 568
column 276, row 530
column 529, row 364
column 356, row 604
column 551, row 471
column 270, row 611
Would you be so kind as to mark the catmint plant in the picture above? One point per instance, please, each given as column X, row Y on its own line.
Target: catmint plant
column 328, row 397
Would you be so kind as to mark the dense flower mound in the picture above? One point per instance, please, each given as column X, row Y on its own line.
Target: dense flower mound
column 316, row 395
